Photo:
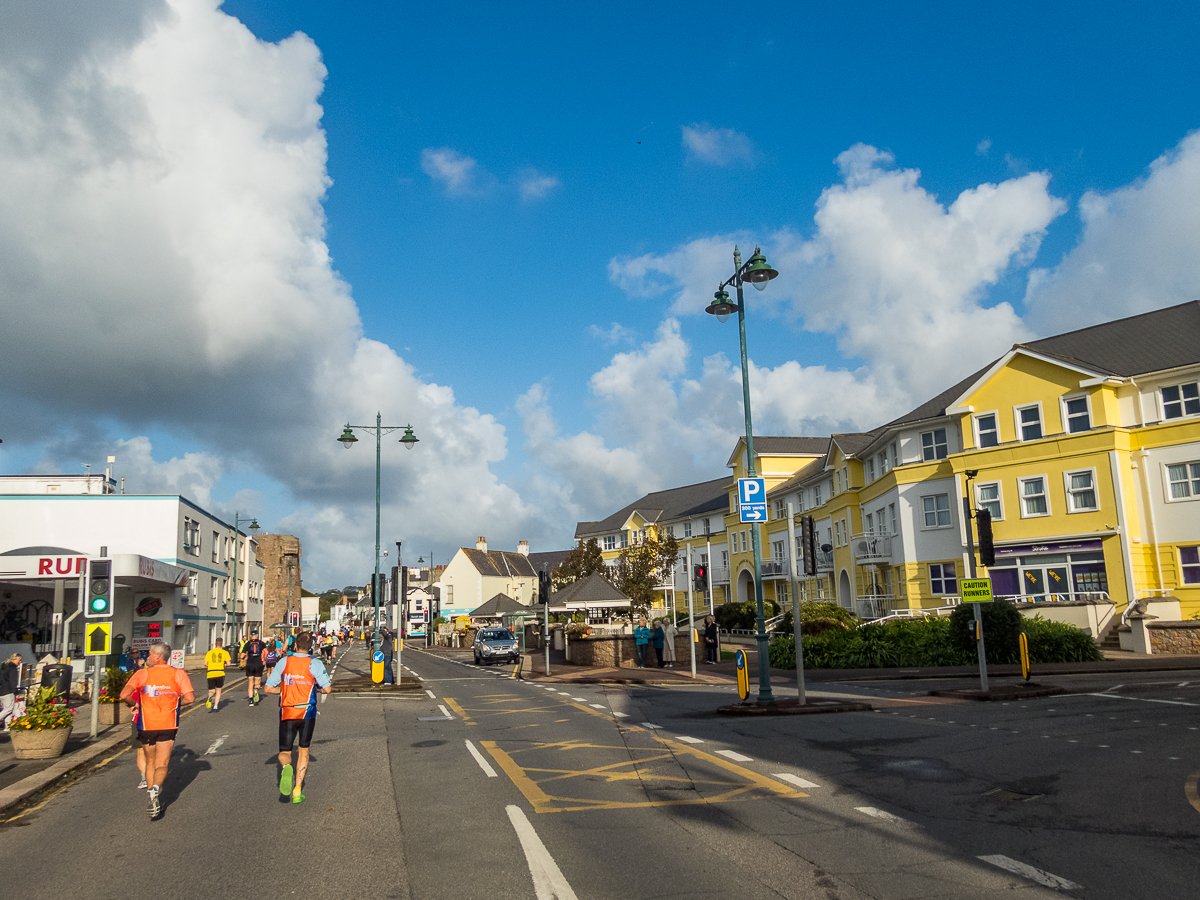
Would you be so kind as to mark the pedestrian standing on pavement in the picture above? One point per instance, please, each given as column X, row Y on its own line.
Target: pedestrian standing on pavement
column 157, row 692
column 388, row 647
column 10, row 680
column 641, row 641
column 710, row 639
column 669, row 632
column 296, row 679
column 658, row 639
column 216, row 659
column 252, row 659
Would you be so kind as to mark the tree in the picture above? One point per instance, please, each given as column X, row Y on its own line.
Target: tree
column 578, row 564
column 641, row 568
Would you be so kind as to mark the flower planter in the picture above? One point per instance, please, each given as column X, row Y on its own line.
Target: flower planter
column 114, row 713
column 45, row 744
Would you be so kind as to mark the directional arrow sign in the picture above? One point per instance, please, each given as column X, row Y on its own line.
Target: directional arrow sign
column 99, row 639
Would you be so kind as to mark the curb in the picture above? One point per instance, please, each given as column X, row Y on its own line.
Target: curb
column 1004, row 693
column 790, row 707
column 31, row 784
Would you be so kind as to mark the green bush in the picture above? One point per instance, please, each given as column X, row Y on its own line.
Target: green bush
column 1059, row 642
column 743, row 615
column 1001, row 624
column 817, row 616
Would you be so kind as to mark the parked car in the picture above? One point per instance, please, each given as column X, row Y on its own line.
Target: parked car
column 495, row 643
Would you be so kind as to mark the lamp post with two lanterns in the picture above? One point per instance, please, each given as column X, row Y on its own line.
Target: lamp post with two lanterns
column 757, row 272
column 254, row 529
column 349, row 440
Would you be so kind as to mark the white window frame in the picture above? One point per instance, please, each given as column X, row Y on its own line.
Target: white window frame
column 934, row 444
column 868, row 523
column 1184, row 566
column 837, row 533
column 1017, row 421
column 610, row 542
column 1162, row 403
column 817, row 495
column 1188, row 482
column 837, row 482
column 892, row 518
column 949, row 512
column 942, row 579
column 995, row 414
column 999, row 501
column 687, row 529
column 895, row 446
column 216, row 545
column 870, row 467
column 1021, row 497
column 845, row 478
column 1071, row 496
column 1066, row 422
column 214, row 586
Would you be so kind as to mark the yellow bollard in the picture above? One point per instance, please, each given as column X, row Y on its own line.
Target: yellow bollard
column 377, row 667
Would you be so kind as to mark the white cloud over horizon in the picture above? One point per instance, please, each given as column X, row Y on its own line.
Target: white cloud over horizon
column 718, row 146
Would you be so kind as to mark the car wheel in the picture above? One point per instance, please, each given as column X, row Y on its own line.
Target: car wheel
column 476, row 659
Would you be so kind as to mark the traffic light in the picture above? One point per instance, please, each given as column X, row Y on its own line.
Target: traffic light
column 543, row 587
column 700, row 577
column 987, row 549
column 294, row 618
column 100, row 590
column 404, row 584
column 808, row 541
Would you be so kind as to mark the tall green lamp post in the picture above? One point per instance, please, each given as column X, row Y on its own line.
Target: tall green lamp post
column 349, row 440
column 758, row 273
column 254, row 529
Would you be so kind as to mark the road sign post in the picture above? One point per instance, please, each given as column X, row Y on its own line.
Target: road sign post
column 97, row 642
column 976, row 591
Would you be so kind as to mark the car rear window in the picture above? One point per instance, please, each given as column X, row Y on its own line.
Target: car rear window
column 497, row 636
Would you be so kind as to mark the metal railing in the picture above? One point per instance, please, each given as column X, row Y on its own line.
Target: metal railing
column 775, row 568
column 875, row 606
column 824, row 561
column 871, row 548
column 718, row 574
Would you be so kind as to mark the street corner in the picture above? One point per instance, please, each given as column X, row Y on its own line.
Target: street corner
column 792, row 706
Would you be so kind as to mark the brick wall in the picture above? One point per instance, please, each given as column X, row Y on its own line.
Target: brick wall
column 618, row 652
column 281, row 581
column 1174, row 637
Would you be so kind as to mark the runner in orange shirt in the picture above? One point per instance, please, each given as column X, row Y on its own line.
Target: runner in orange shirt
column 157, row 692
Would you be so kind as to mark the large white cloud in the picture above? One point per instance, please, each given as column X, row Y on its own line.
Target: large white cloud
column 1137, row 251
column 163, row 267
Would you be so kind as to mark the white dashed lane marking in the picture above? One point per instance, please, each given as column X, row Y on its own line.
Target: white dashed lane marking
column 1020, row 868
column 735, row 756
column 794, row 779
column 688, row 740
column 884, row 816
column 483, row 763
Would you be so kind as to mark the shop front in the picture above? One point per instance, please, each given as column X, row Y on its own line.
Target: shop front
column 1050, row 571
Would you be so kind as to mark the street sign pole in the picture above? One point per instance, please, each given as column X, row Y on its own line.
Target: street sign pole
column 691, row 613
column 979, row 648
column 795, row 575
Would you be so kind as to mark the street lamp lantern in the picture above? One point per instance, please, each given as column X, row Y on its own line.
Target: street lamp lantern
column 255, row 528
column 348, row 439
column 409, row 438
column 758, row 273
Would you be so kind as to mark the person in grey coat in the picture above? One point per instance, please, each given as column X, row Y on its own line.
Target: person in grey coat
column 669, row 632
column 10, row 680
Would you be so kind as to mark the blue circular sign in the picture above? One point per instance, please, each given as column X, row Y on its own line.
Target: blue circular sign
column 377, row 656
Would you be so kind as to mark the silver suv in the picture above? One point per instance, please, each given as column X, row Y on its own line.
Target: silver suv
column 495, row 643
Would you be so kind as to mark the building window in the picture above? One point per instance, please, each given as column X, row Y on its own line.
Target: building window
column 837, row 482
column 744, row 536
column 1184, row 479
column 624, row 539
column 942, row 578
column 870, row 469
column 937, row 510
column 781, row 591
column 1076, row 414
column 1033, row 497
column 725, row 559
column 1189, row 564
column 987, row 434
column 987, row 496
column 1029, row 422
column 670, row 530
column 933, row 445
column 845, row 478
column 777, row 550
column 1081, row 491
column 837, row 534
column 215, row 545
column 1181, row 400
column 687, row 529
column 780, row 509
column 610, row 542
column 706, row 526
column 892, row 517
column 817, row 496
column 868, row 524
column 895, row 453
column 212, row 591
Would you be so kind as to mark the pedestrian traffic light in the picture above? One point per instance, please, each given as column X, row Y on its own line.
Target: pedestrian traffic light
column 294, row 618
column 404, row 584
column 543, row 587
column 808, row 544
column 700, row 577
column 100, row 590
column 987, row 549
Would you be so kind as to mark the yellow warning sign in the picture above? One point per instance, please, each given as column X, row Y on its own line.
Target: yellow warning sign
column 976, row 590
column 97, row 639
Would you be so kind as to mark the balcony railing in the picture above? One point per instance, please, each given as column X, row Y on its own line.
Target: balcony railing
column 875, row 606
column 871, row 548
column 824, row 560
column 775, row 568
column 719, row 574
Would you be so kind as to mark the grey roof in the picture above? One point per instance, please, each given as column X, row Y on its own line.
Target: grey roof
column 937, row 406
column 498, row 606
column 547, row 560
column 663, row 506
column 499, row 563
column 595, row 589
column 851, row 444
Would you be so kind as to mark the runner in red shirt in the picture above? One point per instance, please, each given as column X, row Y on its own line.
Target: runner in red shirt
column 157, row 693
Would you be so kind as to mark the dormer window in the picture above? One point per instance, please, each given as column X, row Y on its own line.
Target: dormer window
column 1181, row 400
column 987, row 434
column 1029, row 422
column 933, row 445
column 1076, row 415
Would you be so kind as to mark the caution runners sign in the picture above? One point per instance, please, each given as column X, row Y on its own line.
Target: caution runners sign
column 976, row 590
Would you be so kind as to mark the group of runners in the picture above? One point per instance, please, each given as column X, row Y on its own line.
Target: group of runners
column 158, row 692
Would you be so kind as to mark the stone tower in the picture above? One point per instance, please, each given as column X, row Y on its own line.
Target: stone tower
column 280, row 557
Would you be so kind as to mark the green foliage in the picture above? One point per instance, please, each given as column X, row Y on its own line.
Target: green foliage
column 1001, row 624
column 817, row 616
column 112, row 684
column 639, row 568
column 743, row 615
column 1059, row 642
column 581, row 562
column 43, row 709
column 440, row 620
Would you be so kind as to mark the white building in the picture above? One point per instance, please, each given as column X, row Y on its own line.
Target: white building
column 174, row 564
column 474, row 576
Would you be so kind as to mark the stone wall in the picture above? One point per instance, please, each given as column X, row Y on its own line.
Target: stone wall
column 280, row 556
column 1174, row 637
column 617, row 651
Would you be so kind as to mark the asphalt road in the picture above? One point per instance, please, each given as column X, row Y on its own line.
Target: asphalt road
column 487, row 786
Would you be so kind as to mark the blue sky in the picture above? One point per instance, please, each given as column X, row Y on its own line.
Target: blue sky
column 527, row 209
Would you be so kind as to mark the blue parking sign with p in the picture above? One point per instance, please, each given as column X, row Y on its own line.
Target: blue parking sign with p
column 752, row 499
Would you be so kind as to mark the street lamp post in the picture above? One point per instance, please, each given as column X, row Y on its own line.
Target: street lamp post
column 254, row 529
column 758, row 273
column 349, row 440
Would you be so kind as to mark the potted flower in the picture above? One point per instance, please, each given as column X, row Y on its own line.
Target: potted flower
column 42, row 732
column 112, row 710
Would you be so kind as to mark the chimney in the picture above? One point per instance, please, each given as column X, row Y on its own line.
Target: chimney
column 481, row 543
column 523, row 547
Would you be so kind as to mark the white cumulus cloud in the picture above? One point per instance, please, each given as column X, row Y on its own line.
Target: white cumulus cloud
column 717, row 146
column 460, row 175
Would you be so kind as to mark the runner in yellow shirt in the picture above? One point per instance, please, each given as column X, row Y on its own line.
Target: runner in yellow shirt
column 217, row 659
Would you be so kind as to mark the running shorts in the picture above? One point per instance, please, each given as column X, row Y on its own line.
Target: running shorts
column 150, row 738
column 290, row 729
column 254, row 669
column 216, row 682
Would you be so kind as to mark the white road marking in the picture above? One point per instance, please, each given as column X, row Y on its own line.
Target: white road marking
column 885, row 816
column 599, row 706
column 1019, row 868
column 483, row 763
column 579, row 699
column 548, row 880
column 1142, row 700
column 735, row 756
column 794, row 779
column 688, row 740
column 621, row 715
column 445, row 712
column 431, row 695
column 1181, row 684
column 652, row 726
column 216, row 745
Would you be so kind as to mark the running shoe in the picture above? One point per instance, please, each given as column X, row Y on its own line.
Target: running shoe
column 155, row 808
column 208, row 703
column 297, row 797
column 285, row 780
column 142, row 784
